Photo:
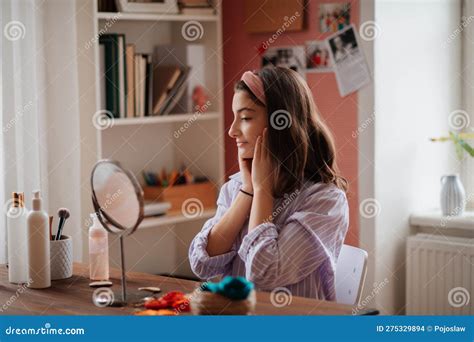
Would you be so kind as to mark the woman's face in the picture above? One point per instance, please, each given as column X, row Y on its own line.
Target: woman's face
column 249, row 121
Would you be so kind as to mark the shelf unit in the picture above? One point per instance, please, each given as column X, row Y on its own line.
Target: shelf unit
column 151, row 143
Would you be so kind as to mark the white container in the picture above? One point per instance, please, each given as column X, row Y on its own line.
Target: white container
column 98, row 250
column 61, row 258
column 39, row 271
column 453, row 196
column 17, row 240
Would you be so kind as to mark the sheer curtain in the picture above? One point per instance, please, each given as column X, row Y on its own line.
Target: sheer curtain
column 40, row 141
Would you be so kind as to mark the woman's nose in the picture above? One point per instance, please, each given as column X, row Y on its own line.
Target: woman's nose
column 233, row 130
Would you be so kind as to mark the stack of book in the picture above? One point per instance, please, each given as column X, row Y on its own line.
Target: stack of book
column 196, row 7
column 132, row 85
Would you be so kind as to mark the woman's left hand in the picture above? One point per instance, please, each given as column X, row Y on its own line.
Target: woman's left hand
column 262, row 174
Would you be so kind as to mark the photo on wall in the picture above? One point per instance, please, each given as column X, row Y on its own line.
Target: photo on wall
column 348, row 60
column 317, row 56
column 292, row 57
column 334, row 16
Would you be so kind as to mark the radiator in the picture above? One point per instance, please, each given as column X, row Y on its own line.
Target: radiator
column 440, row 275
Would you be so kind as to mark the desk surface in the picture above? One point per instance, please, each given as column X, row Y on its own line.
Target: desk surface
column 73, row 296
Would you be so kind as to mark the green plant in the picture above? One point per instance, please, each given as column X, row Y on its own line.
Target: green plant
column 459, row 141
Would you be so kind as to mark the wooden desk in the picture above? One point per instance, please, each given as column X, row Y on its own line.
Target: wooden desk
column 73, row 296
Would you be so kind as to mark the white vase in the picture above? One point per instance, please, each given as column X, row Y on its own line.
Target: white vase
column 453, row 196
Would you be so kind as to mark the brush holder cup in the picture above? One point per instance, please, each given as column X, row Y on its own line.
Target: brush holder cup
column 61, row 258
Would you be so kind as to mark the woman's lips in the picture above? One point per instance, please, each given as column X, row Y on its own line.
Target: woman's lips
column 240, row 144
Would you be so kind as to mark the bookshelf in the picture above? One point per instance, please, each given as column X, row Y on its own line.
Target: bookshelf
column 150, row 143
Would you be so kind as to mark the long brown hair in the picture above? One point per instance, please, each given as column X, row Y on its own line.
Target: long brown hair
column 301, row 146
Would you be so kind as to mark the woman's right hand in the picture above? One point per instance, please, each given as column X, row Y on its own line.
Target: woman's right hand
column 246, row 174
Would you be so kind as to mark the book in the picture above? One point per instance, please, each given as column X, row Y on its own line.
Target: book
column 122, row 85
column 109, row 41
column 137, row 61
column 176, row 93
column 115, row 74
column 198, row 10
column 191, row 55
column 164, row 79
column 148, row 85
column 130, row 62
column 142, row 85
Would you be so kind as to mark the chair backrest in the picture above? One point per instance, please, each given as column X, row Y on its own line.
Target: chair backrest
column 351, row 268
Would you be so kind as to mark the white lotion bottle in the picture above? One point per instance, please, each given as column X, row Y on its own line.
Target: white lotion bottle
column 17, row 240
column 39, row 270
column 98, row 250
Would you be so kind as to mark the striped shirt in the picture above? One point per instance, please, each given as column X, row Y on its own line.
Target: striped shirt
column 297, row 251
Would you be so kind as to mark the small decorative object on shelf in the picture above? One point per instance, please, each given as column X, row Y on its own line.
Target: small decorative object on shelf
column 231, row 296
column 200, row 99
column 147, row 6
column 453, row 195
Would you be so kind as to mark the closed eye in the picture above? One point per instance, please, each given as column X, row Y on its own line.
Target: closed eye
column 245, row 119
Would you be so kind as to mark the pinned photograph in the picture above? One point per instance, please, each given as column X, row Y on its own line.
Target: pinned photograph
column 317, row 56
column 292, row 57
column 348, row 61
column 334, row 16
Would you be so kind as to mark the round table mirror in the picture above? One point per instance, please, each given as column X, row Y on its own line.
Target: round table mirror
column 117, row 198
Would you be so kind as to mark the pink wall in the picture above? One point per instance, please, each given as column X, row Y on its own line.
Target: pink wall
column 240, row 54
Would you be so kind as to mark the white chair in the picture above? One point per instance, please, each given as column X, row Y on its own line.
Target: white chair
column 351, row 268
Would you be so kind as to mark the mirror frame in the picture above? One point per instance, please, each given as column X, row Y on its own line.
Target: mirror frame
column 102, row 214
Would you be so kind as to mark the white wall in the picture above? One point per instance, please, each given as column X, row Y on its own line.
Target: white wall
column 416, row 87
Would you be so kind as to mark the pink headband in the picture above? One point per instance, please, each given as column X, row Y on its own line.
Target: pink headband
column 255, row 84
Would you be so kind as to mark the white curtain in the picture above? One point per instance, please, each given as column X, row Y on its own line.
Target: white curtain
column 40, row 142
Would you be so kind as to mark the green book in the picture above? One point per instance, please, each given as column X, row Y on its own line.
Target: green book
column 112, row 85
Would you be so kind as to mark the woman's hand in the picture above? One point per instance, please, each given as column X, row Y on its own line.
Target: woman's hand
column 261, row 165
column 245, row 166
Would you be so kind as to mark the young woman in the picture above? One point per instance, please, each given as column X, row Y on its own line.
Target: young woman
column 282, row 219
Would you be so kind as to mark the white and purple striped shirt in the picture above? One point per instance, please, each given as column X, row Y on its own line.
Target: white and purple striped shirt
column 298, row 250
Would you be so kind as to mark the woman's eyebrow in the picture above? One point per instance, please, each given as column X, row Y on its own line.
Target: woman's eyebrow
column 245, row 108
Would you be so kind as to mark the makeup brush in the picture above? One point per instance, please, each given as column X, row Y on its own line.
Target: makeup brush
column 51, row 227
column 63, row 214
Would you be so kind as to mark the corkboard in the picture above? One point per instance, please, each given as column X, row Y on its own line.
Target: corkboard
column 271, row 15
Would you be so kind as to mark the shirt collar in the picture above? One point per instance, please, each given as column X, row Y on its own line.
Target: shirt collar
column 237, row 176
